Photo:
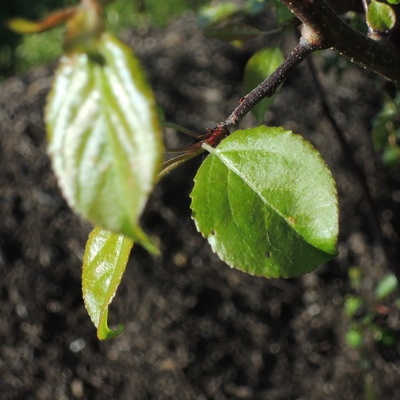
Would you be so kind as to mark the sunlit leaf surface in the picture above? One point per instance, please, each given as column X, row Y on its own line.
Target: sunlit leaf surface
column 380, row 16
column 267, row 203
column 104, row 263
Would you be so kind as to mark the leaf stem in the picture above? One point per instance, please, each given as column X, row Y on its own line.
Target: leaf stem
column 175, row 162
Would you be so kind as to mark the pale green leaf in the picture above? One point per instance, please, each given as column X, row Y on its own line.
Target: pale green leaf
column 104, row 137
column 267, row 203
column 104, row 262
column 386, row 286
column 352, row 304
column 213, row 14
column 380, row 16
column 258, row 68
column 354, row 337
column 393, row 1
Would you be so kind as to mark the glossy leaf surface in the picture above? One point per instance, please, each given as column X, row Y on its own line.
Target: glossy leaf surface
column 104, row 137
column 267, row 203
column 104, row 262
column 386, row 286
column 212, row 15
column 380, row 16
column 258, row 68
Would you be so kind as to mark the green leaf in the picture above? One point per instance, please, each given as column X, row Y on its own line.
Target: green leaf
column 258, row 68
column 380, row 16
column 104, row 137
column 386, row 336
column 352, row 304
column 354, row 337
column 393, row 1
column 267, row 203
column 355, row 276
column 386, row 286
column 104, row 263
column 391, row 156
column 213, row 14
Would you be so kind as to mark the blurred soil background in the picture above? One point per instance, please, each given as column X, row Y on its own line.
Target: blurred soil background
column 194, row 328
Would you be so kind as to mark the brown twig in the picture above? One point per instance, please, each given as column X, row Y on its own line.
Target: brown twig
column 322, row 27
column 268, row 87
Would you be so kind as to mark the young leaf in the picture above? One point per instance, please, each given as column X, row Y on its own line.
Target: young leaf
column 380, row 16
column 212, row 15
column 258, row 68
column 104, row 263
column 104, row 137
column 354, row 337
column 386, row 286
column 267, row 203
column 352, row 304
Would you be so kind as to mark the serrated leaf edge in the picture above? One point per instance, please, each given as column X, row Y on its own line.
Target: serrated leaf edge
column 215, row 152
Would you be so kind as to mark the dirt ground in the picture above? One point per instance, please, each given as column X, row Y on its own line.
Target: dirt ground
column 194, row 328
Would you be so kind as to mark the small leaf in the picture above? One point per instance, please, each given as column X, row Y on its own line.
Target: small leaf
column 267, row 203
column 380, row 16
column 104, row 263
column 393, row 1
column 386, row 286
column 211, row 15
column 104, row 137
column 354, row 337
column 258, row 68
column 352, row 304
column 231, row 32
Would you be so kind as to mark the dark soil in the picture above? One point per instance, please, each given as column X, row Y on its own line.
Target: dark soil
column 194, row 328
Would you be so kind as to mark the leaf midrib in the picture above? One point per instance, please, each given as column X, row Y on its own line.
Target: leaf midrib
column 232, row 168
